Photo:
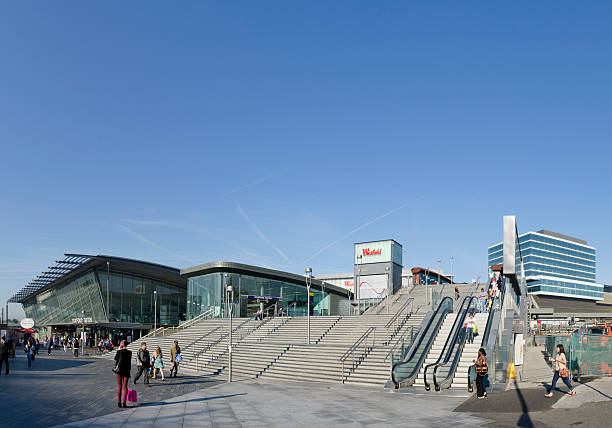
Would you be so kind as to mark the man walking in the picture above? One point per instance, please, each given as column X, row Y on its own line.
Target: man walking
column 4, row 354
column 144, row 362
column 174, row 352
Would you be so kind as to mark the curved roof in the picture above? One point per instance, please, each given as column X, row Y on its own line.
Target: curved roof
column 240, row 268
column 74, row 264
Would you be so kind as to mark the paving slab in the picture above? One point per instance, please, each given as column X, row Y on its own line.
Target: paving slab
column 262, row 404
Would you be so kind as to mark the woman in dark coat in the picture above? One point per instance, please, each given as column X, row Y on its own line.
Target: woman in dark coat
column 123, row 361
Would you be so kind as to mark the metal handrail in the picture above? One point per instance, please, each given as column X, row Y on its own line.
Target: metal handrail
column 400, row 339
column 353, row 348
column 452, row 336
column 459, row 338
column 401, row 309
column 489, row 326
column 442, row 310
column 152, row 333
column 275, row 328
column 188, row 323
column 210, row 345
column 202, row 337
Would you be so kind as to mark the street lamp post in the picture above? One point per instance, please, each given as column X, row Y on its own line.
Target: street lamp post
column 387, row 269
column 230, row 298
column 358, row 285
column 452, row 259
column 155, row 310
column 107, row 292
column 427, row 286
column 308, row 284
column 83, row 333
column 439, row 270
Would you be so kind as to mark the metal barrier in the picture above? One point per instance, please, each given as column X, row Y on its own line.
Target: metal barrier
column 366, row 349
column 397, row 321
column 588, row 354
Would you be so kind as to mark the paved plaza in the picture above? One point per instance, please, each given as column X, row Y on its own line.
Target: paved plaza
column 64, row 391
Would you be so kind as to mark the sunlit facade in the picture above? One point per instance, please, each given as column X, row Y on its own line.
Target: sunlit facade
column 555, row 265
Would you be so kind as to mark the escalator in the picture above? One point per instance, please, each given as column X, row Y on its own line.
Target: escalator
column 405, row 372
column 444, row 366
column 491, row 326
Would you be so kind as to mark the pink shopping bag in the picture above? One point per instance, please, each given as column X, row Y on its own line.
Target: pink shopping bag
column 132, row 396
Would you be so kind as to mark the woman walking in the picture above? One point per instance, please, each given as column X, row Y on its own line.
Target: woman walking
column 123, row 365
column 158, row 364
column 561, row 371
column 481, row 371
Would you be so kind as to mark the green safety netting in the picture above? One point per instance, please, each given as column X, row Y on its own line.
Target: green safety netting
column 589, row 354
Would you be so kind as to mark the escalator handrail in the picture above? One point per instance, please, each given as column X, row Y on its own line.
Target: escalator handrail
column 452, row 337
column 487, row 332
column 460, row 343
column 414, row 346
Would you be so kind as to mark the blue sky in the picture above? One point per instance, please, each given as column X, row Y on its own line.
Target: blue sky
column 279, row 133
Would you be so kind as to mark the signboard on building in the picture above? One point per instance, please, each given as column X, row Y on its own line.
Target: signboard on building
column 27, row 323
column 378, row 252
column 81, row 320
column 372, row 286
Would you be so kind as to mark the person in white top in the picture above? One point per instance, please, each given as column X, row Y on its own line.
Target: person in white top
column 469, row 325
column 561, row 371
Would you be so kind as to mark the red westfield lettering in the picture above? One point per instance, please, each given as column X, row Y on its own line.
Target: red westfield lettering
column 368, row 252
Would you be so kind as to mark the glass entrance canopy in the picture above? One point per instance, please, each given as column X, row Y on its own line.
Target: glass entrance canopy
column 255, row 286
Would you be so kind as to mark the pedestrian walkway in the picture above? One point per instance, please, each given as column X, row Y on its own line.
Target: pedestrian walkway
column 61, row 389
column 261, row 404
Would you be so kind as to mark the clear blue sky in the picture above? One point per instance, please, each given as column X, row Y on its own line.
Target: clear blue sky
column 270, row 132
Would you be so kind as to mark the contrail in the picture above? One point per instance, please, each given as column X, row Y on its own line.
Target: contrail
column 254, row 183
column 357, row 229
column 260, row 233
column 151, row 243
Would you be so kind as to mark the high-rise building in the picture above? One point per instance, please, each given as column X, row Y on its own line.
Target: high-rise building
column 555, row 265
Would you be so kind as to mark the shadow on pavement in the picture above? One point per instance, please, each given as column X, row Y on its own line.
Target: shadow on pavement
column 524, row 419
column 594, row 389
column 194, row 400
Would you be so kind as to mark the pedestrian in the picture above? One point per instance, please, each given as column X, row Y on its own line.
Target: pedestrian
column 144, row 362
column 175, row 358
column 29, row 352
column 158, row 364
column 482, row 300
column 259, row 314
column 5, row 347
column 75, row 347
column 65, row 344
column 49, row 347
column 561, row 371
column 481, row 371
column 123, row 366
column 456, row 293
column 469, row 325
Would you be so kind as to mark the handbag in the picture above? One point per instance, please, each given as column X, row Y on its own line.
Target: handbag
column 178, row 358
column 564, row 372
column 116, row 368
column 132, row 395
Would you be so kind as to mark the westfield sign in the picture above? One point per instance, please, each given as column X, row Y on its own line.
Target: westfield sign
column 375, row 252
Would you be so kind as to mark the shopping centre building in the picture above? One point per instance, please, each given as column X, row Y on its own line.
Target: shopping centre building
column 555, row 265
column 125, row 298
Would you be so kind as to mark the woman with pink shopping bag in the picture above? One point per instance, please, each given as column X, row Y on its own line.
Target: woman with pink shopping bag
column 123, row 366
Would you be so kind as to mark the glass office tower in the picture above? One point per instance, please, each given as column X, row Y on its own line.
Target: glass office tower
column 555, row 265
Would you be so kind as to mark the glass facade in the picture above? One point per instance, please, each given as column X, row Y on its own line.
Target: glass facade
column 555, row 266
column 131, row 300
column 65, row 302
column 206, row 291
